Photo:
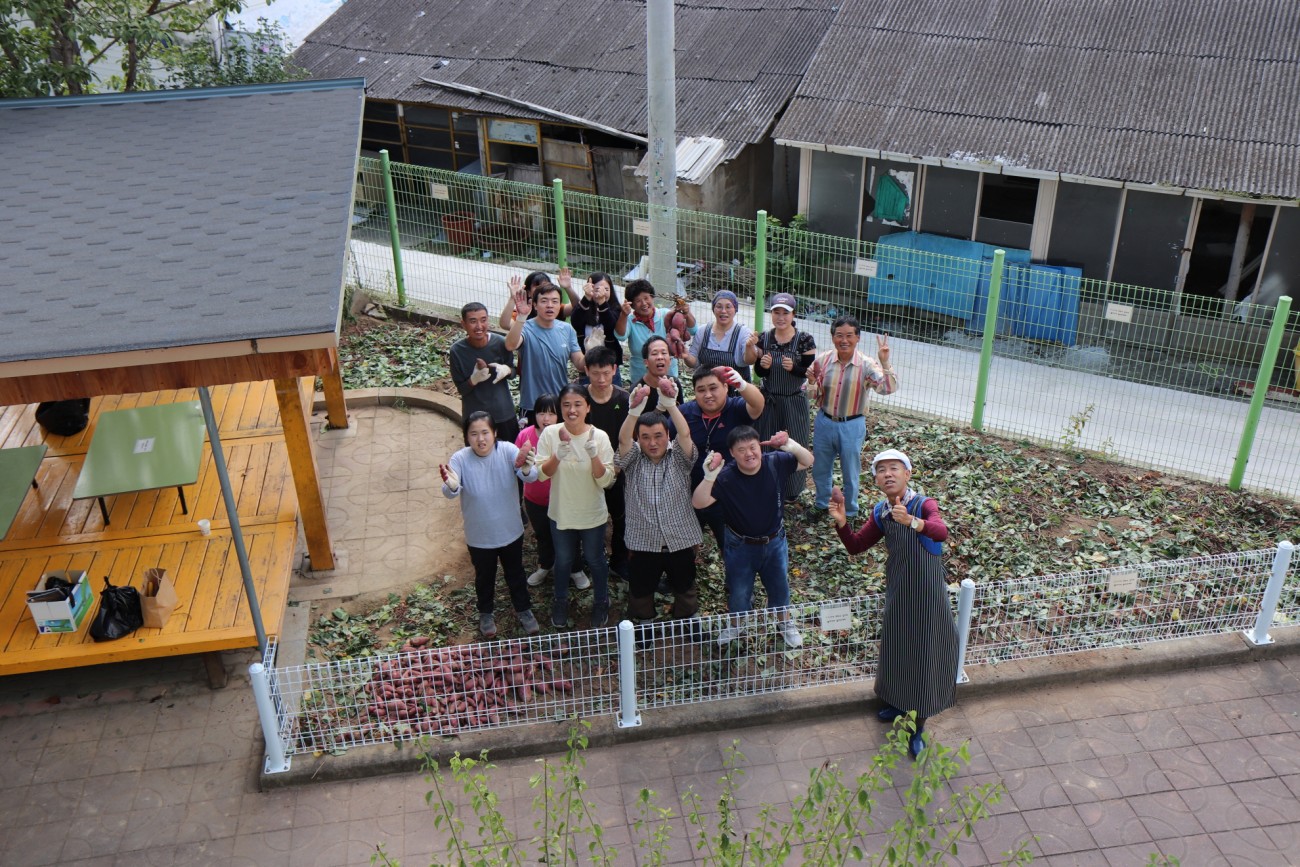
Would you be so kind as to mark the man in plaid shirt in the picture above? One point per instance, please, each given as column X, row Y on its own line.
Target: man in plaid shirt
column 662, row 530
column 841, row 380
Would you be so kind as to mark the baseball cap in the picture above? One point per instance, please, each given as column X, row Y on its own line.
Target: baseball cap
column 782, row 299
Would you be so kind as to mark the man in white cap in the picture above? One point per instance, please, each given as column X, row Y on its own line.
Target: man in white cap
column 918, row 645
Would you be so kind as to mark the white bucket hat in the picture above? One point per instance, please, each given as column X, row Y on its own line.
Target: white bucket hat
column 890, row 455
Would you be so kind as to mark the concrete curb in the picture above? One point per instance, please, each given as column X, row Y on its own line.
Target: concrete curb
column 816, row 703
column 418, row 398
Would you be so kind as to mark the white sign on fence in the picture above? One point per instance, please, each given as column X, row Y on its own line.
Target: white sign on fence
column 440, row 191
column 865, row 267
column 1119, row 312
column 1123, row 582
column 641, row 227
column 836, row 615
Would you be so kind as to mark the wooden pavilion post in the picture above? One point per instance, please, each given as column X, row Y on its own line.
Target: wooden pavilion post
column 336, row 410
column 306, row 478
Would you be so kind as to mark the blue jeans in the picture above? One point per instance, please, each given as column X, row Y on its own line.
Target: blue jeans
column 769, row 562
column 843, row 440
column 566, row 557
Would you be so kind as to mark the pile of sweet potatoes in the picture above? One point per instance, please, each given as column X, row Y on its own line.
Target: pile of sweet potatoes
column 446, row 689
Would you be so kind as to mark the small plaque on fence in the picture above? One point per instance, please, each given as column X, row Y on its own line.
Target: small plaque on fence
column 641, row 227
column 865, row 267
column 440, row 191
column 836, row 615
column 1119, row 312
column 1123, row 582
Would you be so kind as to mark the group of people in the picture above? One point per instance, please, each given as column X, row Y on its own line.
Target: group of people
column 597, row 450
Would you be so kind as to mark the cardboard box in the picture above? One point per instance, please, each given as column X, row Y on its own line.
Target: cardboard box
column 66, row 615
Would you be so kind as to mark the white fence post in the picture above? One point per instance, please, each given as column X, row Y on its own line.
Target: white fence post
column 1259, row 635
column 276, row 761
column 965, row 602
column 627, row 715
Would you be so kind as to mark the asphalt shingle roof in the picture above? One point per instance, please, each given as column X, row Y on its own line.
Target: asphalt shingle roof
column 1193, row 94
column 738, row 61
column 174, row 218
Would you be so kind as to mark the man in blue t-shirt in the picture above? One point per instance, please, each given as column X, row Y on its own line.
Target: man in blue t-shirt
column 546, row 346
column 749, row 493
column 712, row 416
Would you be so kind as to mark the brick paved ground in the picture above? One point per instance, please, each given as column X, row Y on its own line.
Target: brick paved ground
column 155, row 769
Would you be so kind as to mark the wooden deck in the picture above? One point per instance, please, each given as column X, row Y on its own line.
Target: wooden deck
column 148, row 529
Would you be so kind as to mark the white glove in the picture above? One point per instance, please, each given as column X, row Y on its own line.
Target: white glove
column 637, row 407
column 501, row 371
column 564, row 451
column 480, row 374
column 590, row 445
column 734, row 379
column 595, row 339
column 711, row 475
column 452, row 481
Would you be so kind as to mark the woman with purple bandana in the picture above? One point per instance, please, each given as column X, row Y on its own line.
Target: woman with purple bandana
column 726, row 343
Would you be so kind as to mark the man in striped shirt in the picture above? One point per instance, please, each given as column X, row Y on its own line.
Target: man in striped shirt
column 661, row 530
column 842, row 380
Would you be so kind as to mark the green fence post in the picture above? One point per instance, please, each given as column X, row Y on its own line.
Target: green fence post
column 561, row 239
column 760, row 271
column 1262, row 380
column 990, row 332
column 390, row 201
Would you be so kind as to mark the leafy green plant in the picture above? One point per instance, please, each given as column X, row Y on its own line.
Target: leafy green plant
column 1069, row 438
column 826, row 823
column 257, row 57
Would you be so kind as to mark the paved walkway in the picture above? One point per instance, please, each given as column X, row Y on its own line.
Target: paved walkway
column 142, row 764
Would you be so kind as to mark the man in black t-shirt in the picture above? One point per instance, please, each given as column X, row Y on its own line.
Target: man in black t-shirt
column 609, row 405
column 750, row 494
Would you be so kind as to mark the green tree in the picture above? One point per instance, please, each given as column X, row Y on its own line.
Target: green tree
column 259, row 57
column 51, row 47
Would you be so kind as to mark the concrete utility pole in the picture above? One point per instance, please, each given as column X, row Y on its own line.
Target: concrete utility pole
column 661, row 100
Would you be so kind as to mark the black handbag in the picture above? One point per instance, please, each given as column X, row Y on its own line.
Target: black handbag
column 119, row 613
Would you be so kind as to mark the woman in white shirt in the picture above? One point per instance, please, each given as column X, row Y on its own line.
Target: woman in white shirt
column 579, row 460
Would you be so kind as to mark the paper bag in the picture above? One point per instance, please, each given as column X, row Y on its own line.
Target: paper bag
column 158, row 599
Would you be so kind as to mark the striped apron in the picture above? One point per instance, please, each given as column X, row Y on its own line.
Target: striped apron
column 918, row 644
column 785, row 404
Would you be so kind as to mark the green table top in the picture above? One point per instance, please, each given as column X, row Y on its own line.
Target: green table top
column 142, row 449
column 17, row 469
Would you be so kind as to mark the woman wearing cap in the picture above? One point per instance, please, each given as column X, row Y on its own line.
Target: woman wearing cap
column 783, row 355
column 918, row 644
column 726, row 343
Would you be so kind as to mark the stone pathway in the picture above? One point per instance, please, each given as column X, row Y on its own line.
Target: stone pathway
column 142, row 764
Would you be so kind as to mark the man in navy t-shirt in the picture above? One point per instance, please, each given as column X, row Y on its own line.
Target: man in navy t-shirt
column 749, row 494
column 712, row 416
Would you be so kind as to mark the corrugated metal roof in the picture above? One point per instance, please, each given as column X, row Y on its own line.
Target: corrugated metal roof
column 1193, row 94
column 738, row 61
column 110, row 244
column 697, row 157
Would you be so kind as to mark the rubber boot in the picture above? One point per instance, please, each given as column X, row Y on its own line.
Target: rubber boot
column 640, row 608
column 686, row 603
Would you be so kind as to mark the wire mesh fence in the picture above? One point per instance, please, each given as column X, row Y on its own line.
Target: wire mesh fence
column 729, row 656
column 446, row 690
column 422, row 690
column 1134, row 373
column 1118, row 606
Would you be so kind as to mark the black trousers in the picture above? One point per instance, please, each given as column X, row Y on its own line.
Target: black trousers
column 618, row 515
column 541, row 524
column 644, row 569
column 485, row 575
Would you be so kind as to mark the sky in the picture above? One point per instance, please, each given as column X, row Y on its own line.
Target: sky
column 297, row 17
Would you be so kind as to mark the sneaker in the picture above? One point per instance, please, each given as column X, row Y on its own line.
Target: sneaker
column 728, row 635
column 580, row 580
column 528, row 622
column 888, row 713
column 536, row 579
column 560, row 614
column 599, row 614
column 790, row 633
column 487, row 625
column 916, row 745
